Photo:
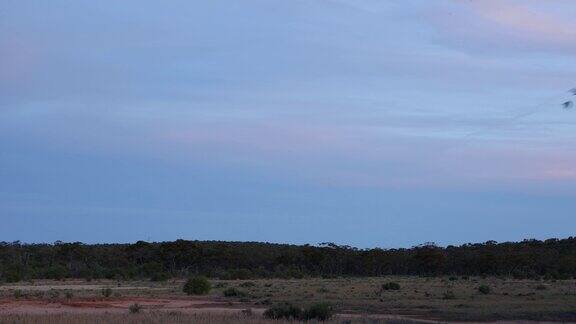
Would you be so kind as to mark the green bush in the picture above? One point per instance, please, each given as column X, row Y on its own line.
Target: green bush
column 197, row 286
column 150, row 269
column 391, row 286
column 56, row 272
column 484, row 289
column 233, row 274
column 53, row 294
column 322, row 290
column 160, row 276
column 107, row 292
column 241, row 274
column 284, row 310
column 12, row 274
column 221, row 285
column 233, row 292
column 134, row 308
column 449, row 295
column 319, row 311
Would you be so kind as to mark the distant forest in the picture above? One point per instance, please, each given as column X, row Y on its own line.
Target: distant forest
column 551, row 259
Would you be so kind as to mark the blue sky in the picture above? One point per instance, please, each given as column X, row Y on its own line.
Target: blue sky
column 361, row 122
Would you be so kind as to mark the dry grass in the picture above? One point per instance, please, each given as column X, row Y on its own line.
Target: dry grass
column 172, row 318
column 508, row 299
column 419, row 297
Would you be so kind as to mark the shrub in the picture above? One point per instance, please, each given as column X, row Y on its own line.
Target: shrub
column 107, row 292
column 134, row 308
column 453, row 278
column 391, row 286
column 197, row 286
column 53, row 294
column 285, row 310
column 241, row 274
column 56, row 272
column 484, row 289
column 12, row 274
column 266, row 301
column 232, row 274
column 541, row 287
column 247, row 284
column 160, row 276
column 449, row 295
column 233, row 292
column 69, row 295
column 18, row 293
column 151, row 269
column 220, row 285
column 319, row 311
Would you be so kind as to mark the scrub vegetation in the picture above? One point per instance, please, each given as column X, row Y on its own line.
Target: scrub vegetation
column 260, row 282
column 420, row 297
column 175, row 318
column 529, row 259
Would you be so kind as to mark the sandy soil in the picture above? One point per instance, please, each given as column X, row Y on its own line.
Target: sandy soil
column 37, row 298
column 114, row 305
column 10, row 306
column 73, row 284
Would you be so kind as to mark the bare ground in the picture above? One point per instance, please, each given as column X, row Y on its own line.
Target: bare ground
column 419, row 301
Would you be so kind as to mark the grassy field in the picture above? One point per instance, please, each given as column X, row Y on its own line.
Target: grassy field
column 175, row 318
column 446, row 299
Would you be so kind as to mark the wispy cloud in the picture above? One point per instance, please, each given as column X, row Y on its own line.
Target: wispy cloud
column 509, row 28
column 353, row 96
column 527, row 20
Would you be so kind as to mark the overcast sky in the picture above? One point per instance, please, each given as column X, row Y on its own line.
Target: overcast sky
column 361, row 122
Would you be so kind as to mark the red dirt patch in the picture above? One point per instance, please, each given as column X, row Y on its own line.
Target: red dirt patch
column 113, row 305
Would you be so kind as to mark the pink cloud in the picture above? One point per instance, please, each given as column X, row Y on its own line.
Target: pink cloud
column 560, row 173
column 507, row 25
column 18, row 61
column 368, row 158
column 527, row 22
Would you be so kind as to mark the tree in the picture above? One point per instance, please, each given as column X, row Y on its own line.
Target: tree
column 197, row 286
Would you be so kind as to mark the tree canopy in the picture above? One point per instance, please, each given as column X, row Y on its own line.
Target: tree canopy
column 553, row 258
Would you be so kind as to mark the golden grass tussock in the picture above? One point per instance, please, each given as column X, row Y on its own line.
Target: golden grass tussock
column 173, row 318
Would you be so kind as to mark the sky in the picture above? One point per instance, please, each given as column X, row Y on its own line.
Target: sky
column 369, row 123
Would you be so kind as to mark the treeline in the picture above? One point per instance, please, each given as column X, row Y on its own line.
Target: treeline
column 553, row 258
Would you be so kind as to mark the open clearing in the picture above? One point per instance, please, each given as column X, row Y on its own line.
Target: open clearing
column 355, row 299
